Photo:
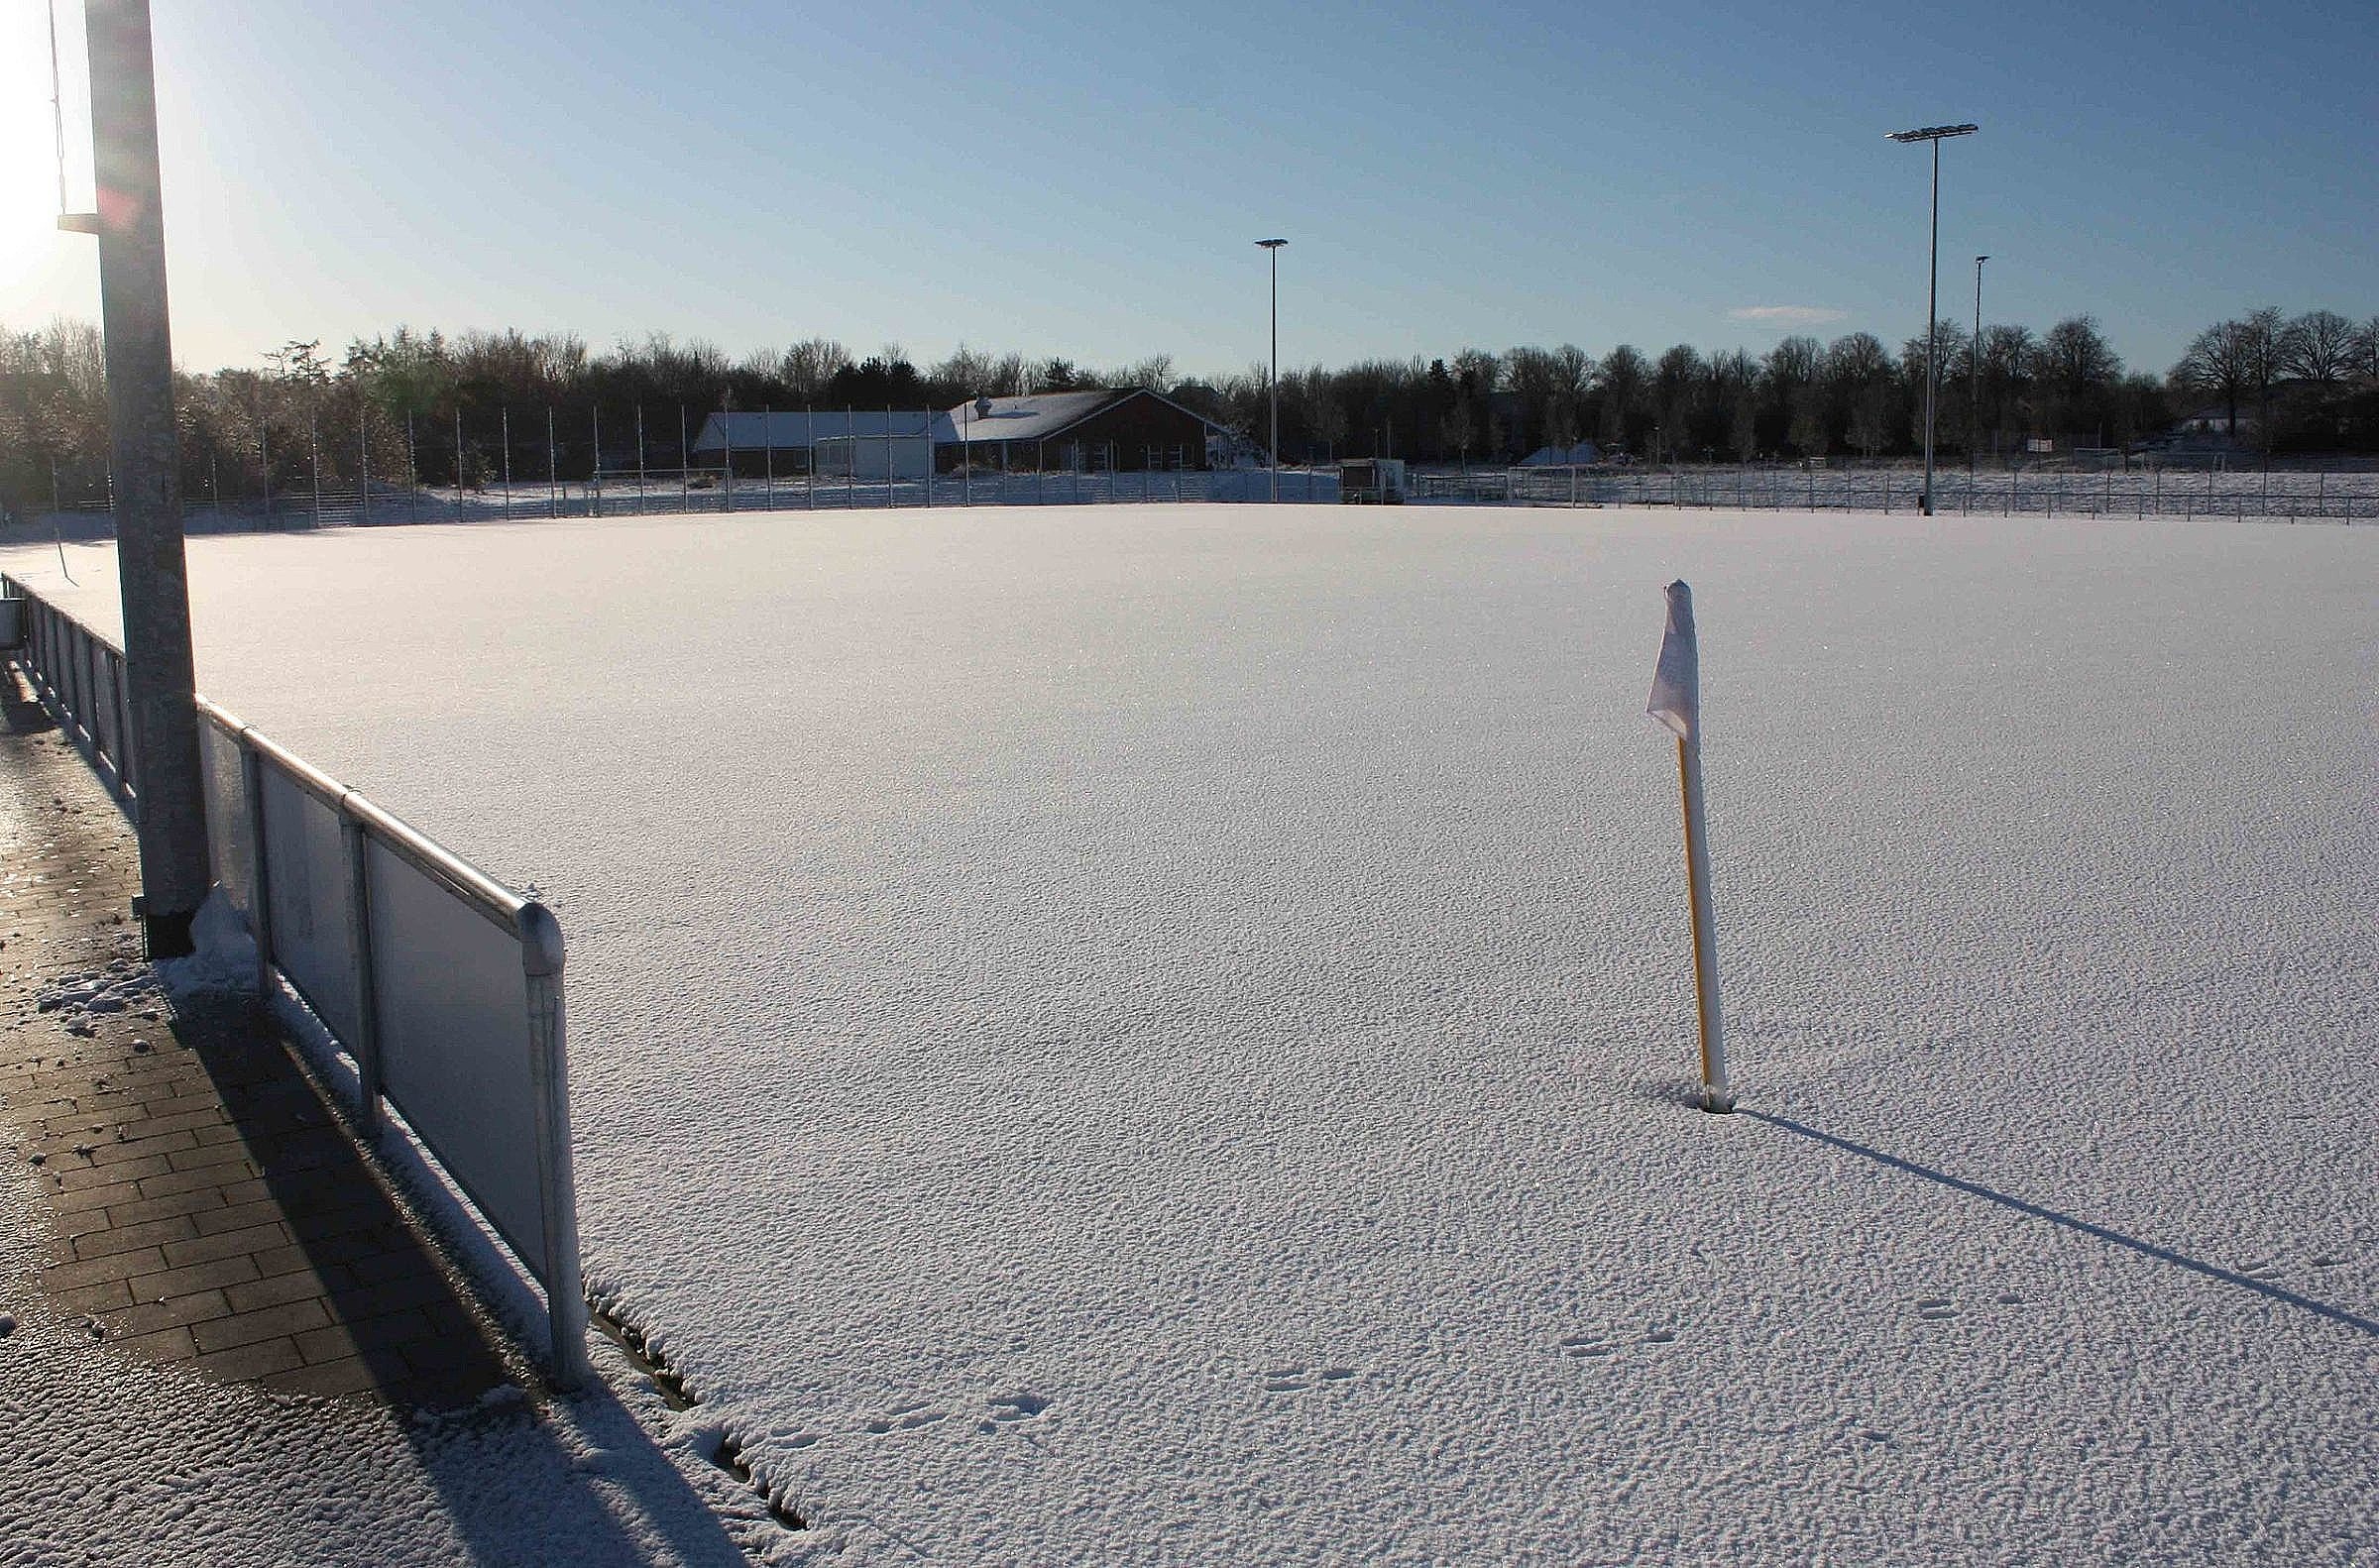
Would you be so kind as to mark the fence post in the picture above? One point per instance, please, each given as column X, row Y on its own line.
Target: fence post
column 313, row 436
column 553, row 469
column 541, row 961
column 506, row 427
column 363, row 458
column 354, row 845
column 260, row 865
column 768, row 454
column 458, row 459
column 595, row 465
column 121, row 701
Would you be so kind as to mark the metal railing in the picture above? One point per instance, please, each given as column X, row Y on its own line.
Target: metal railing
column 2159, row 491
column 441, row 986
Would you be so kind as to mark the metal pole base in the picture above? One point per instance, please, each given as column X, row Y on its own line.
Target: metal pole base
column 1719, row 1102
column 166, row 935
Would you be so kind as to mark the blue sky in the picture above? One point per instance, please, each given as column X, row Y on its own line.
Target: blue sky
column 1089, row 179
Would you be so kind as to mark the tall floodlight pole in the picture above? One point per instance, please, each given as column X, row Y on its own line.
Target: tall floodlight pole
column 1273, row 455
column 1973, row 361
column 146, row 458
column 1935, row 133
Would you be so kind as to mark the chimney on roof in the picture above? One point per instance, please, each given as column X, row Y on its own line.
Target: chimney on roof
column 982, row 406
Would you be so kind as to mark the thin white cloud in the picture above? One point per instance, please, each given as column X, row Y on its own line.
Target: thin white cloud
column 1786, row 315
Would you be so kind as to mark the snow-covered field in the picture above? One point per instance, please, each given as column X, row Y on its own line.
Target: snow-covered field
column 1159, row 1035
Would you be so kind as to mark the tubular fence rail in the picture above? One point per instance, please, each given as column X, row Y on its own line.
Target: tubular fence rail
column 2298, row 497
column 441, row 986
column 656, row 493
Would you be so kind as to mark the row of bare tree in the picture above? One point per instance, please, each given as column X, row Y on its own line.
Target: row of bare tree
column 390, row 407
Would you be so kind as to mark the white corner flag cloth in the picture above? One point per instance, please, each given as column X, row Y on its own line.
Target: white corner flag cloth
column 1677, row 683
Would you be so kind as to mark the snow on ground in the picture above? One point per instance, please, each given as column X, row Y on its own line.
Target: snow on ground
column 1135, row 1035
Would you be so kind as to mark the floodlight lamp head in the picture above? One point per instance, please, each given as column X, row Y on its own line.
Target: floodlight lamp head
column 1932, row 133
column 1272, row 245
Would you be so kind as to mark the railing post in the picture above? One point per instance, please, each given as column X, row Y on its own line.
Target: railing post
column 541, row 961
column 260, row 869
column 118, row 701
column 356, row 847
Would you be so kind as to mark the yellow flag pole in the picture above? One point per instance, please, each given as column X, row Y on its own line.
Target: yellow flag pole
column 1717, row 1095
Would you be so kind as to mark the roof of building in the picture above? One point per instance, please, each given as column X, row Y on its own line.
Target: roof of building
column 783, row 429
column 1034, row 416
column 1042, row 416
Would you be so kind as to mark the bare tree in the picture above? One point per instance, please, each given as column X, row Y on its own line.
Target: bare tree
column 808, row 366
column 2077, row 372
column 1623, row 387
column 2221, row 362
column 2320, row 347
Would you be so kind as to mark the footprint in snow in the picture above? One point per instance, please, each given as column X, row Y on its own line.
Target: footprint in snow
column 906, row 1420
column 1010, row 1410
column 1936, row 1308
column 1290, row 1380
column 1583, row 1347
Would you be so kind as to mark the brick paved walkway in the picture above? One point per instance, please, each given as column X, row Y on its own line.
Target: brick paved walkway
column 206, row 1207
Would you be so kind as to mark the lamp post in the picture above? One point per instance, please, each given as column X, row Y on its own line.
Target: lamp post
column 1974, row 358
column 1935, row 133
column 145, row 459
column 1271, row 454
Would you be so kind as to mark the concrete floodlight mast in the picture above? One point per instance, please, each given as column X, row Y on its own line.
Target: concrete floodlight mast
column 1272, row 250
column 146, row 454
column 1935, row 133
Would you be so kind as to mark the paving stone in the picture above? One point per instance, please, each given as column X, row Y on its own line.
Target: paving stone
column 118, row 1266
column 251, row 1362
column 346, row 1375
column 235, row 1216
column 198, row 1249
column 191, row 1205
column 182, row 1311
column 167, row 1344
column 92, row 1298
column 295, row 1286
column 286, row 1320
column 213, row 1274
column 106, row 1242
column 66, row 1203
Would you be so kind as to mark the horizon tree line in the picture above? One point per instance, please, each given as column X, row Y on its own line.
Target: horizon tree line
column 389, row 406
